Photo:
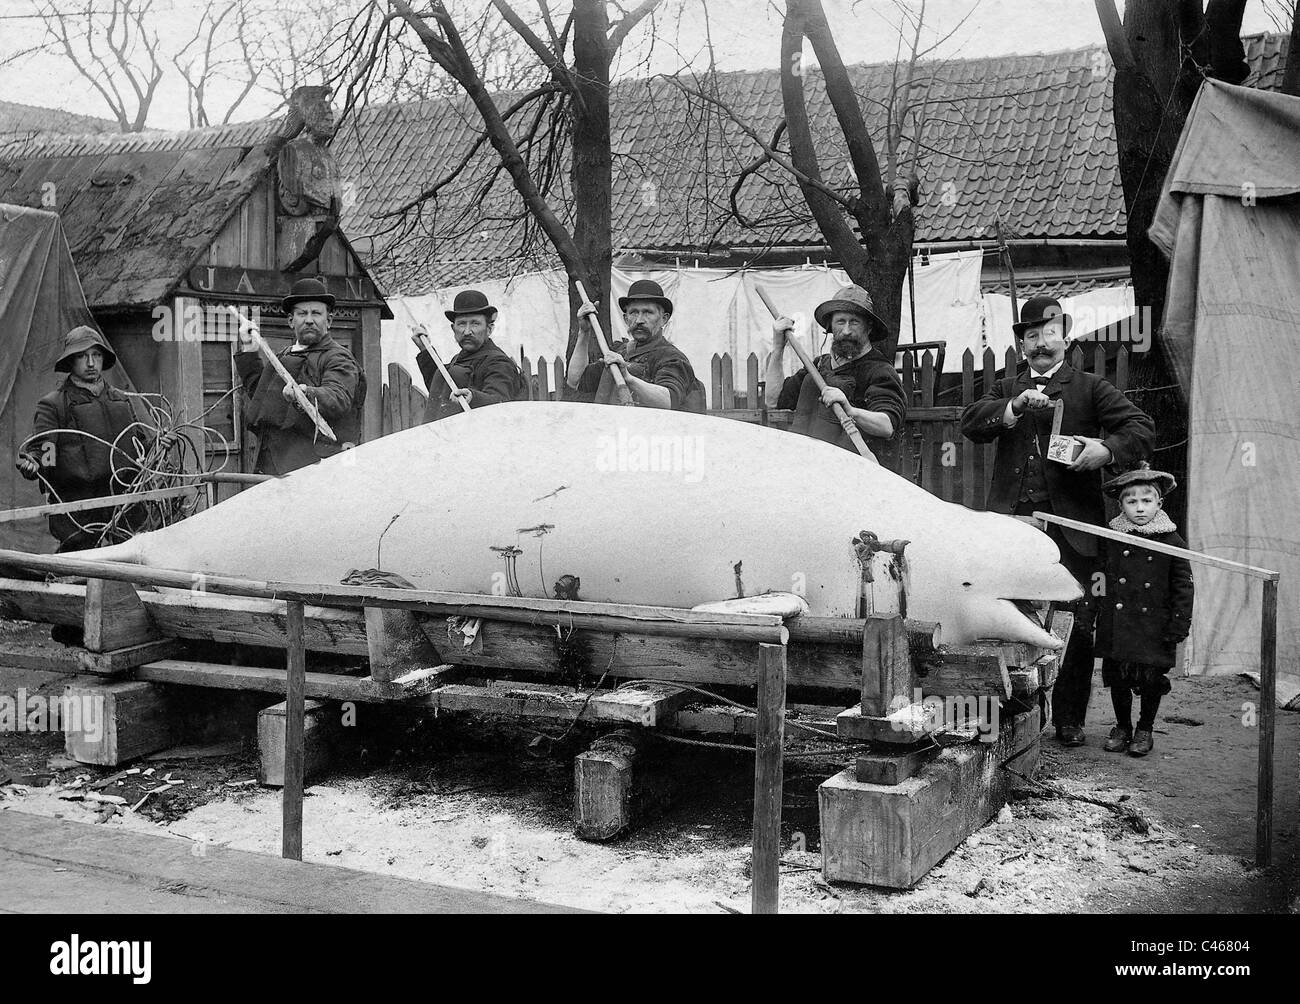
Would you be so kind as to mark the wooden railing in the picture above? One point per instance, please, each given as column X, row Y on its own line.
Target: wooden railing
column 932, row 451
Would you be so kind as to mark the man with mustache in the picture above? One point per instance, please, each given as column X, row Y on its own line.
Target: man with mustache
column 325, row 371
column 482, row 372
column 657, row 372
column 1016, row 413
column 858, row 377
column 81, row 464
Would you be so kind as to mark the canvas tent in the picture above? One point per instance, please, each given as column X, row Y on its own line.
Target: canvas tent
column 40, row 301
column 1229, row 220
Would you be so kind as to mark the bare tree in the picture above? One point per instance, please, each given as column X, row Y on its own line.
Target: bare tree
column 221, row 48
column 562, row 116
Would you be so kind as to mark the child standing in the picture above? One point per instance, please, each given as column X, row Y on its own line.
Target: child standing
column 1146, row 610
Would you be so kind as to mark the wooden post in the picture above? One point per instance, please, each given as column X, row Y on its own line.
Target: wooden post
column 294, row 754
column 1267, row 716
column 886, row 666
column 769, row 749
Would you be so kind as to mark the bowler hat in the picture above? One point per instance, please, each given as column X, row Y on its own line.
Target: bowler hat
column 1039, row 310
column 646, row 289
column 77, row 341
column 855, row 300
column 471, row 301
column 1140, row 475
column 305, row 290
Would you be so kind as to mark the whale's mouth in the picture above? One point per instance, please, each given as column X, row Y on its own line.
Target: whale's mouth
column 1034, row 610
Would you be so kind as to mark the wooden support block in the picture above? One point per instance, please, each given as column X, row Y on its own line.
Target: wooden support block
column 615, row 786
column 885, row 768
column 647, row 705
column 968, row 671
column 906, row 725
column 891, row 835
column 886, row 666
column 114, row 616
column 396, row 644
column 1062, row 626
column 321, row 729
column 326, row 686
column 1026, row 681
column 78, row 661
column 118, row 721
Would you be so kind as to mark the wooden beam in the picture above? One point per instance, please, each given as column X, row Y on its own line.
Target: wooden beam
column 616, row 786
column 649, row 705
column 114, row 617
column 78, row 661
column 320, row 733
column 100, row 502
column 396, row 644
column 769, row 752
column 1267, row 720
column 886, row 666
column 968, row 671
column 322, row 686
column 294, row 751
column 892, row 768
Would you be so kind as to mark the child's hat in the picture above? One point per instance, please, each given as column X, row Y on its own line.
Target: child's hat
column 1141, row 475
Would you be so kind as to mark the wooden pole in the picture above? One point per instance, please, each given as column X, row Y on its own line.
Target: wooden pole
column 1267, row 717
column 855, row 434
column 305, row 403
column 422, row 337
column 53, row 509
column 769, row 749
column 624, row 391
column 294, row 751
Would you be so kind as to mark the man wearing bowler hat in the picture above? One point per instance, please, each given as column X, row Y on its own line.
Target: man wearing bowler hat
column 858, row 377
column 1016, row 413
column 657, row 372
column 324, row 370
column 77, row 449
column 482, row 372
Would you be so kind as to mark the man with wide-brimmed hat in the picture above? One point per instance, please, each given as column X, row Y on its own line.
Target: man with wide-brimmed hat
column 77, row 449
column 483, row 373
column 858, row 376
column 1017, row 413
column 325, row 371
column 657, row 372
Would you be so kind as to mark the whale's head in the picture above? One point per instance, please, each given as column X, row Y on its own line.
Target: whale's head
column 985, row 582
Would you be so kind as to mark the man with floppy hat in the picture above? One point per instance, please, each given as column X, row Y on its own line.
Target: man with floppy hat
column 483, row 373
column 1017, row 414
column 80, row 462
column 858, row 376
column 657, row 372
column 325, row 371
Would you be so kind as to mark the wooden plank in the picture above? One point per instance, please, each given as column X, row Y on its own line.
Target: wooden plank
column 892, row 835
column 769, row 753
column 648, row 705
column 1121, row 369
column 543, row 381
column 321, row 728
column 989, row 382
column 752, row 380
column 716, row 401
column 114, row 617
column 616, row 786
column 119, row 721
column 968, row 671
column 728, row 399
column 968, row 493
column 295, row 756
column 886, row 666
column 323, row 686
column 892, row 768
column 559, row 378
column 78, row 661
column 54, row 509
column 396, row 644
column 1267, row 725
column 907, row 725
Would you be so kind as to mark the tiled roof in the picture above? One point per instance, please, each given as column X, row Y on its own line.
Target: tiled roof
column 19, row 120
column 1027, row 139
column 137, row 208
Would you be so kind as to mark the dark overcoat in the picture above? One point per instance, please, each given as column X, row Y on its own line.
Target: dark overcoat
column 1146, row 609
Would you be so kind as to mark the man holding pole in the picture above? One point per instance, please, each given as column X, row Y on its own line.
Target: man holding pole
column 655, row 372
column 1105, row 427
column 481, row 373
column 858, row 378
column 326, row 375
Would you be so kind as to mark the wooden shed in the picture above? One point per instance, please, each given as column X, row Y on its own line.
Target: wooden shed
column 165, row 227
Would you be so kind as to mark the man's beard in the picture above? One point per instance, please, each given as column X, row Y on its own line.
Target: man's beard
column 846, row 348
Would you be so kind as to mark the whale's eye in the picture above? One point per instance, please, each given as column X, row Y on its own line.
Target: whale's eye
column 966, row 584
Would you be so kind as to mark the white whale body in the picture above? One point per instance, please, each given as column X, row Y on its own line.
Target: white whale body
column 642, row 506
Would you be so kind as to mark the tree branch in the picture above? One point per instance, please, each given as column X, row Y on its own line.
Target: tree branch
column 1116, row 41
column 620, row 31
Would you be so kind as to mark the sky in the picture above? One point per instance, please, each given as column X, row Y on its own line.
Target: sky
column 745, row 34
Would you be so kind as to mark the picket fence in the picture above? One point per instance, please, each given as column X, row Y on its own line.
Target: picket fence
column 933, row 452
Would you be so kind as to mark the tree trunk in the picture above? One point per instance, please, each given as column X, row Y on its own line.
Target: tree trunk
column 592, row 164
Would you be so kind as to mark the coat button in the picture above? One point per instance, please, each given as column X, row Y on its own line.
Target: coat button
column 1122, row 581
column 1150, row 557
column 1144, row 609
column 1126, row 554
column 1147, row 584
column 1119, row 606
column 1017, row 471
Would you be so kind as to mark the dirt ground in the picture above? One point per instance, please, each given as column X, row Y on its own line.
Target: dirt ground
column 474, row 803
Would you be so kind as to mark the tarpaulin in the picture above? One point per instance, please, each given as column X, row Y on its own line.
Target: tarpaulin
column 40, row 301
column 1232, row 331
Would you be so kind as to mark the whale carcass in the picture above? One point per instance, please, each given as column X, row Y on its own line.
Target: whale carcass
column 635, row 506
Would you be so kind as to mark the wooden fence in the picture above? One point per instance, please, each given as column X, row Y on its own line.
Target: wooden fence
column 932, row 451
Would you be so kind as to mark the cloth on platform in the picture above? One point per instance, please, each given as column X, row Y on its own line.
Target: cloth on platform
column 375, row 577
column 1230, row 225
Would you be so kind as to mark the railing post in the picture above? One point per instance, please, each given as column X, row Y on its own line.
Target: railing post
column 291, row 793
column 769, row 749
